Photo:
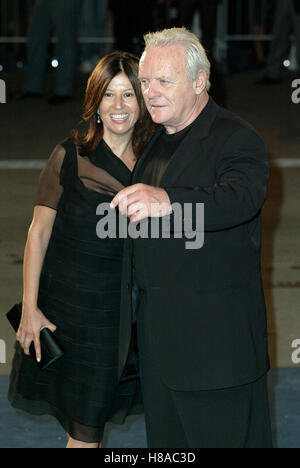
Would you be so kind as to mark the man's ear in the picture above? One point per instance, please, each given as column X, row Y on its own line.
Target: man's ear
column 200, row 82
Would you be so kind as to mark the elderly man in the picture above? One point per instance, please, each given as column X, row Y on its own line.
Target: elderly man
column 199, row 313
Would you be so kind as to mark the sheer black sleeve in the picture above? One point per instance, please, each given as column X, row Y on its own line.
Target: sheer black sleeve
column 50, row 188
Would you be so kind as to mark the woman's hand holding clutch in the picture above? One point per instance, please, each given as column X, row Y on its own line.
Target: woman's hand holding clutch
column 32, row 322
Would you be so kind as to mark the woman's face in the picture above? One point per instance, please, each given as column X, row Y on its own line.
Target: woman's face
column 119, row 109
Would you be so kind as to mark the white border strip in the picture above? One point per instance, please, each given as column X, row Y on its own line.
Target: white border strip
column 286, row 162
column 15, row 164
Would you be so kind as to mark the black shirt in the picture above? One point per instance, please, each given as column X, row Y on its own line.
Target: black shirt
column 151, row 174
column 161, row 154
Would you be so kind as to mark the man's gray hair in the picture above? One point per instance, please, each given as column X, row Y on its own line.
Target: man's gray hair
column 196, row 56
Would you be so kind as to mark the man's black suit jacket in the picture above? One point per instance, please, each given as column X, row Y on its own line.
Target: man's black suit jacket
column 208, row 317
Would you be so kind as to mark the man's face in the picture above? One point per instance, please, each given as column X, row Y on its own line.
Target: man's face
column 170, row 96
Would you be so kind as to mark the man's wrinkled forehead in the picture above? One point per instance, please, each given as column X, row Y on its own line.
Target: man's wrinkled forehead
column 167, row 59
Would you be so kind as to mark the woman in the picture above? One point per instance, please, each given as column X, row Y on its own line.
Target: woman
column 72, row 278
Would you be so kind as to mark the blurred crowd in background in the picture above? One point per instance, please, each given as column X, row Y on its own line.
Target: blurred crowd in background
column 85, row 30
column 127, row 20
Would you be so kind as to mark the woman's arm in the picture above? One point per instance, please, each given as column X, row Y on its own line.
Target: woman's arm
column 37, row 243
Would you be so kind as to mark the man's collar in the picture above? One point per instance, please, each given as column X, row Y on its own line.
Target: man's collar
column 203, row 122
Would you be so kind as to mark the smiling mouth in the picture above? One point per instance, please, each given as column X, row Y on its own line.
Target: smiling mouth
column 120, row 117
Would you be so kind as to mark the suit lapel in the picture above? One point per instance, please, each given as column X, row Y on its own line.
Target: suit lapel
column 139, row 164
column 185, row 153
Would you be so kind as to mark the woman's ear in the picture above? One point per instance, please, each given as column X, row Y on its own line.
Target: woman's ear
column 200, row 82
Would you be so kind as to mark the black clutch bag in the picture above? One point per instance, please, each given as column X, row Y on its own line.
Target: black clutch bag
column 50, row 348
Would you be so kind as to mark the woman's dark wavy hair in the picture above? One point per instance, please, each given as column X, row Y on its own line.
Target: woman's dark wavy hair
column 109, row 67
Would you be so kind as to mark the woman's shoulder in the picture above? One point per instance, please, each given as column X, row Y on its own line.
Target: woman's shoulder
column 67, row 145
column 63, row 158
column 66, row 151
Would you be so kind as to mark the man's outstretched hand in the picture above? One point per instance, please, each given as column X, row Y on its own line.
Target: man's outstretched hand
column 142, row 201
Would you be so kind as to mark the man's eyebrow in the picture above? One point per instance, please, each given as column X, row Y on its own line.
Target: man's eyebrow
column 163, row 77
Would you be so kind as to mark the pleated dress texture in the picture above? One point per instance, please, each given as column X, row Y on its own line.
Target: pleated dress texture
column 79, row 292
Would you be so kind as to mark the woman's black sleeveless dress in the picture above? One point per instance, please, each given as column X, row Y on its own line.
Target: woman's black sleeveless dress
column 80, row 293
